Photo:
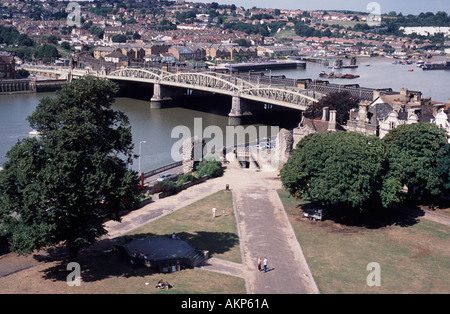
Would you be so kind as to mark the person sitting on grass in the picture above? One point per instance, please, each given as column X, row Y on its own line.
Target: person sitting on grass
column 163, row 285
column 160, row 284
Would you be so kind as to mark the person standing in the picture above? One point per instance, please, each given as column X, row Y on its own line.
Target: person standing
column 214, row 212
column 265, row 264
column 259, row 264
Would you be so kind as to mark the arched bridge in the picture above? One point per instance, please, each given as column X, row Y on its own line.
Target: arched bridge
column 236, row 87
column 219, row 83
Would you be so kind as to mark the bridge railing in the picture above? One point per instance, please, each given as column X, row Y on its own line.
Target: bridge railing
column 162, row 169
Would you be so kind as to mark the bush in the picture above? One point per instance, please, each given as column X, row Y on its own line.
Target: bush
column 187, row 177
column 212, row 169
column 167, row 186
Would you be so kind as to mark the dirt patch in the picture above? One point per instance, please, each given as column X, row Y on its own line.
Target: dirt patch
column 332, row 227
column 422, row 252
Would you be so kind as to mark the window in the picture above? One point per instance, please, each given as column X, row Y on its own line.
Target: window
column 391, row 125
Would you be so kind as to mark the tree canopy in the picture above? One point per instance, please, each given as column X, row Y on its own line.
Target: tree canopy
column 342, row 102
column 64, row 185
column 418, row 159
column 349, row 170
column 342, row 169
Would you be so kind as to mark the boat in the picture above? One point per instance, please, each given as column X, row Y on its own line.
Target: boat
column 34, row 132
column 352, row 65
column 347, row 76
column 436, row 66
column 340, row 75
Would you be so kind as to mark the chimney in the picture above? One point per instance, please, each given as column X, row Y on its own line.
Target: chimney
column 325, row 114
column 332, row 122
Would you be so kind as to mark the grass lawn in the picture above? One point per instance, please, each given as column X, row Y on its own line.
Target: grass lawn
column 413, row 254
column 106, row 272
column 195, row 224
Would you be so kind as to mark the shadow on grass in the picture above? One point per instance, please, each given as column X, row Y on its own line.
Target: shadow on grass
column 101, row 262
column 404, row 216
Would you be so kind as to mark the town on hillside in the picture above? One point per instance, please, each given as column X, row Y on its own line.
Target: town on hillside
column 114, row 34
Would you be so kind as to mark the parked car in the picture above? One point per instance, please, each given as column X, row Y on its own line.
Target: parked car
column 264, row 145
column 165, row 177
column 315, row 213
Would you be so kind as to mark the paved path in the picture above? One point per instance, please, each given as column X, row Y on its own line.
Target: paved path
column 262, row 223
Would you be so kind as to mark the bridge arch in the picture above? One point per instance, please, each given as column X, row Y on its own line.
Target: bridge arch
column 152, row 74
column 280, row 95
column 208, row 80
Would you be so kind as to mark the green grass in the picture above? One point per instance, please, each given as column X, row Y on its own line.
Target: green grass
column 195, row 224
column 413, row 254
column 106, row 272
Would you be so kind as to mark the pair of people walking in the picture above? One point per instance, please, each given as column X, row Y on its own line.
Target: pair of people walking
column 264, row 264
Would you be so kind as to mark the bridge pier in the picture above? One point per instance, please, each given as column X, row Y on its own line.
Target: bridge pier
column 238, row 111
column 157, row 93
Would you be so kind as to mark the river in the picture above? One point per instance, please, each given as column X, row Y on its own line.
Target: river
column 155, row 126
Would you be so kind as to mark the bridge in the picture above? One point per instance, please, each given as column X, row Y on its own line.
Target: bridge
column 241, row 88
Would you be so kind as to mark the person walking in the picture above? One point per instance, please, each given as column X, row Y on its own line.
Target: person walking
column 265, row 264
column 259, row 264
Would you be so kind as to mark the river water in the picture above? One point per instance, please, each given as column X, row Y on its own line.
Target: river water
column 155, row 126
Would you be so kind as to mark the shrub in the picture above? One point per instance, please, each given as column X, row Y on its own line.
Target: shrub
column 187, row 177
column 212, row 168
column 167, row 186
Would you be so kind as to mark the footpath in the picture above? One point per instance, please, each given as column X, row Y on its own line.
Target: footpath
column 264, row 230
column 263, row 227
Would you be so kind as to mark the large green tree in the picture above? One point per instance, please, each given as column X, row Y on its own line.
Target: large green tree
column 63, row 186
column 342, row 102
column 340, row 170
column 418, row 159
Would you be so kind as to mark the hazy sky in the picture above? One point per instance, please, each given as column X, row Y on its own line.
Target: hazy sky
column 405, row 6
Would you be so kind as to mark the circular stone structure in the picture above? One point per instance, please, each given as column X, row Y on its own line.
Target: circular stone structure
column 165, row 253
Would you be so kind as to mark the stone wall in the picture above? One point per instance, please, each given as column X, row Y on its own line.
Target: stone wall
column 283, row 148
column 192, row 151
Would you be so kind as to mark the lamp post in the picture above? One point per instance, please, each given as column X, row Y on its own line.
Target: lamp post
column 140, row 148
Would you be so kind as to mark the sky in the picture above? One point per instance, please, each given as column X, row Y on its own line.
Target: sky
column 405, row 6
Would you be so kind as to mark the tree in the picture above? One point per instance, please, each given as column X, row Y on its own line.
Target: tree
column 64, row 185
column 119, row 39
column 97, row 31
column 418, row 159
column 23, row 73
column 342, row 102
column 339, row 170
column 65, row 45
column 46, row 53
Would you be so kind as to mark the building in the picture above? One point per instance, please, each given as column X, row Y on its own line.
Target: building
column 101, row 52
column 7, row 67
column 182, row 53
column 117, row 57
column 275, row 51
column 110, row 31
column 133, row 52
column 327, row 124
column 387, row 112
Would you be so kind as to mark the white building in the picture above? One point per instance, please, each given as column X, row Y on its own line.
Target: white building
column 426, row 30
